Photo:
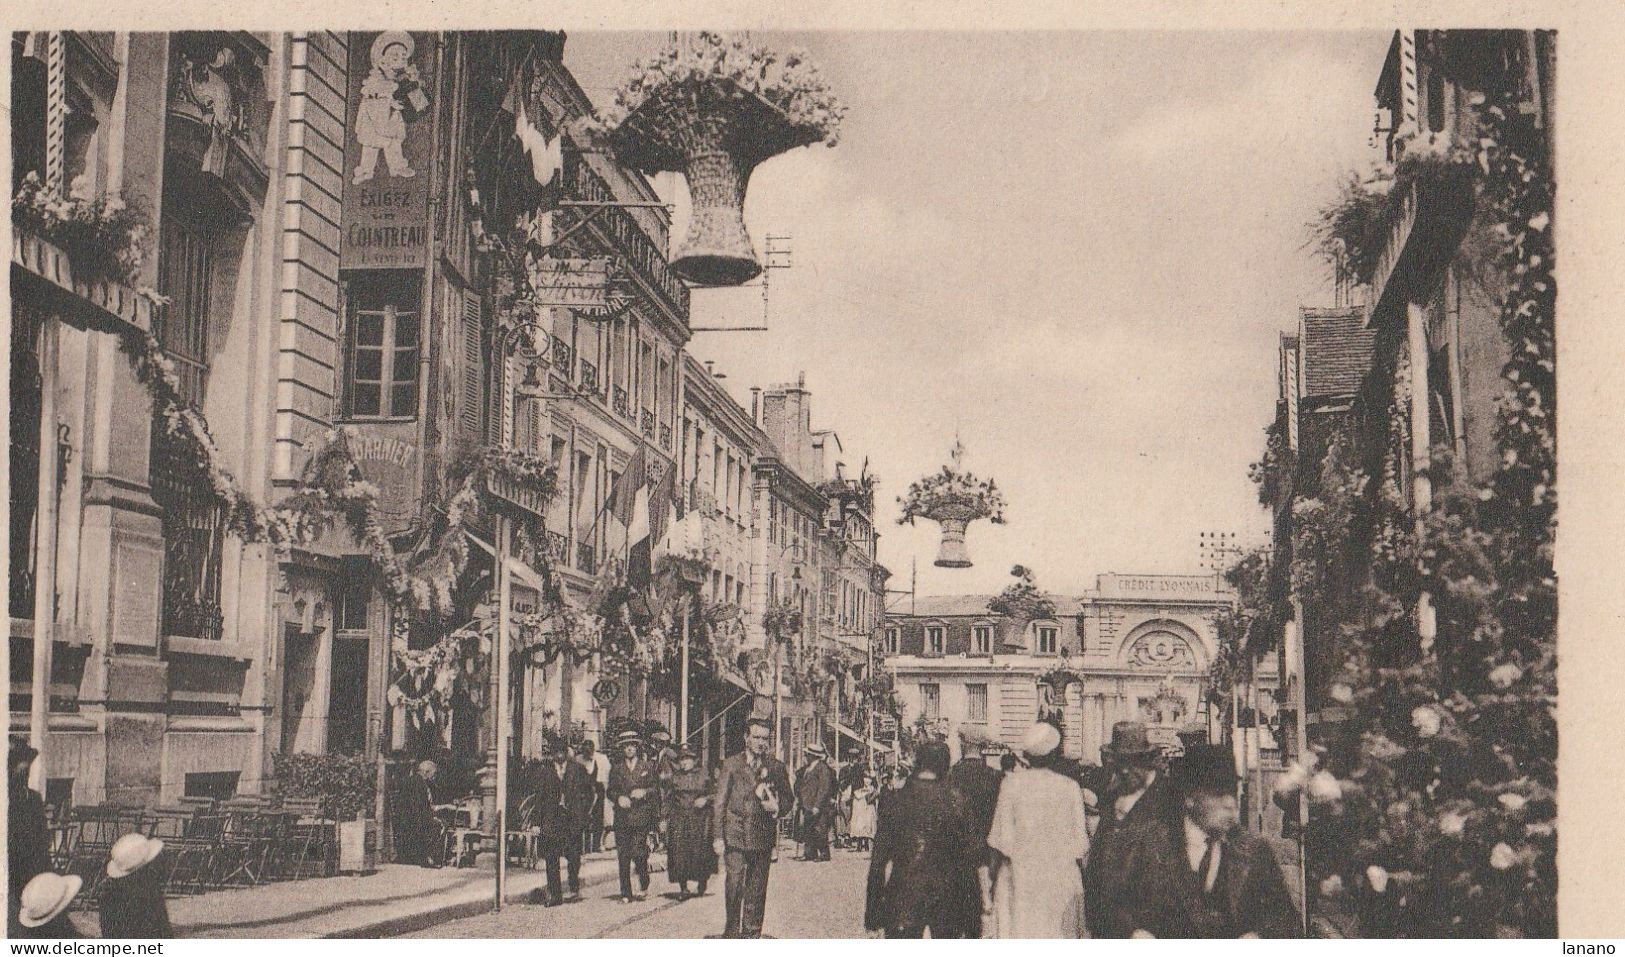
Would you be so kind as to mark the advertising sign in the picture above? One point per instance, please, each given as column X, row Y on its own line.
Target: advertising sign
column 571, row 283
column 388, row 146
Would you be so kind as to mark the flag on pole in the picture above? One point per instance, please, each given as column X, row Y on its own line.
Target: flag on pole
column 542, row 145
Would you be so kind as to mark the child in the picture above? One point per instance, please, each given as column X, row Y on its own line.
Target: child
column 391, row 96
column 132, row 904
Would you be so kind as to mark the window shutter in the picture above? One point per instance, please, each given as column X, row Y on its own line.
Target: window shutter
column 473, row 397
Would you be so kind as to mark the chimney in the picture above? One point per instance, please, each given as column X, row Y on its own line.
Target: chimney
column 756, row 404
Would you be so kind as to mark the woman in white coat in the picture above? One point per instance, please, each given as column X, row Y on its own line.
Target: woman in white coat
column 1041, row 842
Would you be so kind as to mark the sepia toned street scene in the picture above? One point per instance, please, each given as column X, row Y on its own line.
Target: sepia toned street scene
column 529, row 484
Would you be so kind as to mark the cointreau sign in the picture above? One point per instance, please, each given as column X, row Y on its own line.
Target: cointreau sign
column 388, row 148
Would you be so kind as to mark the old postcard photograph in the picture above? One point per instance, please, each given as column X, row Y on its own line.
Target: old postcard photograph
column 492, row 478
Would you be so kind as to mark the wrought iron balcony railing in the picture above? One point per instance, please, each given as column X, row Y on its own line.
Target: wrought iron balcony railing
column 648, row 424
column 620, row 402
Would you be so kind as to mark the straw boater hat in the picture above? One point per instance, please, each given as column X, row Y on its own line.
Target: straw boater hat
column 132, row 852
column 46, row 896
column 1040, row 739
column 628, row 737
column 388, row 39
column 816, row 750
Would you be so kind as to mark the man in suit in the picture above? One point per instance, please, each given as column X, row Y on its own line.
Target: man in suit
column 564, row 800
column 28, row 838
column 634, row 787
column 1136, row 794
column 418, row 837
column 815, row 791
column 977, row 784
column 923, row 873
column 1198, row 873
column 753, row 792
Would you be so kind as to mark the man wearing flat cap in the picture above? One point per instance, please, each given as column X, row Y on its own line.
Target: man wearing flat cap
column 634, row 789
column 1137, row 794
column 1199, row 873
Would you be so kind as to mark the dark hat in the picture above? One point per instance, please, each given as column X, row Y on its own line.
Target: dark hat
column 1206, row 768
column 1130, row 739
column 21, row 750
column 932, row 756
column 628, row 737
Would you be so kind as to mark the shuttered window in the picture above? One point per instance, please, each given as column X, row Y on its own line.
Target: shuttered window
column 473, row 366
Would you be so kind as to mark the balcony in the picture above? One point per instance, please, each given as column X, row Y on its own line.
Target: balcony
column 557, row 548
column 620, row 403
column 648, row 424
column 645, row 257
column 562, row 355
column 589, row 377
column 665, row 437
column 586, row 557
column 1428, row 225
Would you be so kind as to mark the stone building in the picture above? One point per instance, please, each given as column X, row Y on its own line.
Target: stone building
column 1136, row 647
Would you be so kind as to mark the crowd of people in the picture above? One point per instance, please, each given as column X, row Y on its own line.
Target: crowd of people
column 131, row 897
column 1030, row 852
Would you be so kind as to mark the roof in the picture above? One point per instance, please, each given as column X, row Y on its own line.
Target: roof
column 973, row 606
column 1336, row 351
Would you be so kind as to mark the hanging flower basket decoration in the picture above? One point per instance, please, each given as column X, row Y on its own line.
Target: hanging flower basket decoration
column 782, row 622
column 712, row 109
column 953, row 498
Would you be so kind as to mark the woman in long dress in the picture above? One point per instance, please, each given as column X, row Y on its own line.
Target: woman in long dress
column 862, row 825
column 689, row 856
column 1039, row 834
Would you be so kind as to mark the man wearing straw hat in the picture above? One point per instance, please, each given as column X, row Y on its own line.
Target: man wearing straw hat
column 634, row 789
column 815, row 792
column 132, row 898
column 43, row 908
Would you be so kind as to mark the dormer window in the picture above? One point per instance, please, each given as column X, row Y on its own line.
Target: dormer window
column 981, row 639
column 1048, row 638
column 935, row 639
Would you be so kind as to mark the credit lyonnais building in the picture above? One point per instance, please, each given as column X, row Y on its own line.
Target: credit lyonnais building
column 1135, row 647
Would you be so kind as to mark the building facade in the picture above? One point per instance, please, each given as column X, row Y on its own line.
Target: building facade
column 1137, row 647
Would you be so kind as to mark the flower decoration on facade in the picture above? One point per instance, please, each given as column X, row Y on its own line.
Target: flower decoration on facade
column 953, row 498
column 783, row 622
column 713, row 108
column 104, row 238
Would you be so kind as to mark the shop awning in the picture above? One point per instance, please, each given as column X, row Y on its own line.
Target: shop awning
column 877, row 745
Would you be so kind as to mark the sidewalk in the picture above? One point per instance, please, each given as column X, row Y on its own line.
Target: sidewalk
column 398, row 899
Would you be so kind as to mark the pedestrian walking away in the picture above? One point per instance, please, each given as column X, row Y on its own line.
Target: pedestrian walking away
column 1137, row 795
column 1039, row 835
column 976, row 782
column 634, row 790
column 923, row 873
column 689, row 854
column 1198, row 873
column 753, row 793
column 132, row 897
column 565, row 796
column 815, row 795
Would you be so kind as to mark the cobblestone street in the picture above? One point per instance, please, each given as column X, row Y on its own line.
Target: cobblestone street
column 803, row 900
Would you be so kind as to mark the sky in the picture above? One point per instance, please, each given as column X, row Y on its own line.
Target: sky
column 1072, row 251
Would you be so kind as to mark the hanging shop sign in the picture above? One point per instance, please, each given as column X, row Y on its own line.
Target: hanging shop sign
column 387, row 455
column 388, row 148
column 571, row 283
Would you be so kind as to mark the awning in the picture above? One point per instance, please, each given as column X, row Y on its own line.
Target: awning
column 877, row 745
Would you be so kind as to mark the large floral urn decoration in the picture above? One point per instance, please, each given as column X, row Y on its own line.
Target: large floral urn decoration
column 713, row 109
column 953, row 498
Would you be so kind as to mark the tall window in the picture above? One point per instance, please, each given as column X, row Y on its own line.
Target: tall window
column 982, row 639
column 934, row 639
column 976, row 702
column 383, row 357
column 1048, row 638
column 192, row 519
column 931, row 701
column 892, row 635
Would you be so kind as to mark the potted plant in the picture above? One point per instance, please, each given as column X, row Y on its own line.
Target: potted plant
column 712, row 109
column 953, row 498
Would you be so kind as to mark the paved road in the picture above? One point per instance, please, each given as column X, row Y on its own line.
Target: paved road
column 803, row 900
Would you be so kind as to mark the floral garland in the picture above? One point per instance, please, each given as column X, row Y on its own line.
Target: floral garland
column 104, row 237
column 1022, row 599
column 1446, row 776
column 708, row 67
column 783, row 621
column 1272, row 467
column 1250, row 578
column 953, row 494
